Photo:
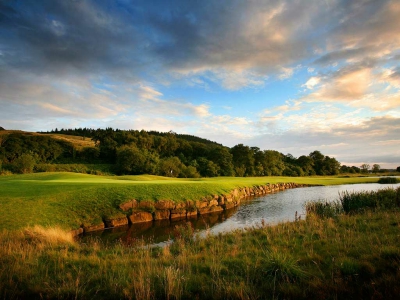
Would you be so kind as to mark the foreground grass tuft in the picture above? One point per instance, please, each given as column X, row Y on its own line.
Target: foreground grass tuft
column 52, row 236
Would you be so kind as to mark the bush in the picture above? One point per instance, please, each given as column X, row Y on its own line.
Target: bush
column 385, row 180
column 24, row 164
column 189, row 172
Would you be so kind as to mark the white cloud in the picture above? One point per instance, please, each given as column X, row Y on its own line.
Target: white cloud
column 312, row 82
column 286, row 73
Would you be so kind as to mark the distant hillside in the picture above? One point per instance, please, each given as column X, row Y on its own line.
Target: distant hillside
column 152, row 152
column 187, row 137
column 90, row 133
column 78, row 142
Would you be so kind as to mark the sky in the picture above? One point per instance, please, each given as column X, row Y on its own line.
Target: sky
column 286, row 75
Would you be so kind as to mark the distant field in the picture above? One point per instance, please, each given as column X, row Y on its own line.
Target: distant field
column 70, row 199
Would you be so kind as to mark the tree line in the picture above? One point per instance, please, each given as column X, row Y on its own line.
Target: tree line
column 164, row 153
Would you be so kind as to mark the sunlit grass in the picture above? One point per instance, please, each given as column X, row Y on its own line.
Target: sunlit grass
column 68, row 200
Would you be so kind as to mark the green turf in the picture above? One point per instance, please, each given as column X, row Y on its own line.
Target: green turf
column 70, row 199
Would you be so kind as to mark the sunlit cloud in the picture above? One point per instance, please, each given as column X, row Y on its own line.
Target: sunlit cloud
column 294, row 76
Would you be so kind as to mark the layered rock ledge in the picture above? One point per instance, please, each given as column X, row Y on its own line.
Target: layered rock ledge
column 148, row 211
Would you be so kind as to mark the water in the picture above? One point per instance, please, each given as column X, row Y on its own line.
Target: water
column 270, row 209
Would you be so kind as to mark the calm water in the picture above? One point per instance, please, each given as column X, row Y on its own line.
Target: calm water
column 271, row 209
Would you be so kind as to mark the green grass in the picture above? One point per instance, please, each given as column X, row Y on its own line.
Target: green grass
column 71, row 199
column 352, row 256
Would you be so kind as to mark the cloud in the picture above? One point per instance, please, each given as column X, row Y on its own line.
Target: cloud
column 346, row 142
column 358, row 86
column 286, row 73
column 312, row 82
column 347, row 86
column 240, row 45
column 141, row 64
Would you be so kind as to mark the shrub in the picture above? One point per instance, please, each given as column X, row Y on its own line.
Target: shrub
column 24, row 164
column 384, row 180
column 189, row 172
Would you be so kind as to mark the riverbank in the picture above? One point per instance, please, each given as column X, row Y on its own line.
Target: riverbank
column 72, row 201
column 333, row 256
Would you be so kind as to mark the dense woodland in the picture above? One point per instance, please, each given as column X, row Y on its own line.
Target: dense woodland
column 161, row 153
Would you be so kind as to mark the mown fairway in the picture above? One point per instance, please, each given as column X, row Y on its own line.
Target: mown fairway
column 69, row 199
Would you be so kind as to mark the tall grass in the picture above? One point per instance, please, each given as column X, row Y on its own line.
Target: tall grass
column 355, row 201
column 349, row 256
column 350, row 202
column 336, row 253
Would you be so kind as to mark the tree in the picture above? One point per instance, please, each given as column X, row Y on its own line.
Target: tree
column 376, row 168
column 243, row 159
column 273, row 163
column 398, row 169
column 330, row 166
column 24, row 163
column 170, row 167
column 318, row 162
column 223, row 158
column 307, row 164
column 207, row 168
column 131, row 160
column 364, row 168
column 89, row 154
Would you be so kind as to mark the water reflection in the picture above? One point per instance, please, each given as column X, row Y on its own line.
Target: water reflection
column 270, row 209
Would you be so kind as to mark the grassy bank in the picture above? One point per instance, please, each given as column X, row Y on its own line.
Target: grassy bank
column 348, row 255
column 68, row 200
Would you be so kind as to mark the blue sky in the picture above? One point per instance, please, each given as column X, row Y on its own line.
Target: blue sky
column 292, row 76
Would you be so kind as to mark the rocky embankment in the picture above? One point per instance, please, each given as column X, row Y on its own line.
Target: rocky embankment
column 147, row 211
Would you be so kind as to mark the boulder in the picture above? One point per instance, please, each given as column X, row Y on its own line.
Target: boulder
column 229, row 205
column 76, row 232
column 162, row 214
column 207, row 210
column 213, row 203
column 178, row 213
column 146, row 205
column 191, row 213
column 201, row 204
column 140, row 216
column 164, row 204
column 131, row 204
column 114, row 222
column 180, row 205
column 93, row 227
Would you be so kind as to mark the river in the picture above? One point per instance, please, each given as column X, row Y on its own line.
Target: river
column 271, row 209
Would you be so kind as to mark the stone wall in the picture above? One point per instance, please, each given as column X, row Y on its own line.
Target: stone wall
column 147, row 211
